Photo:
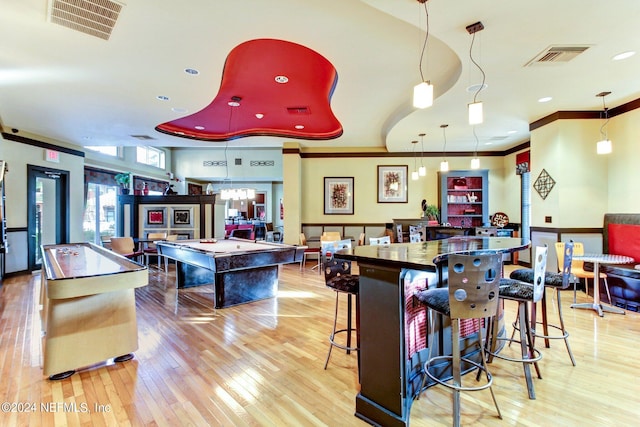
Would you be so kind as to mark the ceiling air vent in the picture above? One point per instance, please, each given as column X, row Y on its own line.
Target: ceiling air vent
column 554, row 54
column 142, row 137
column 94, row 17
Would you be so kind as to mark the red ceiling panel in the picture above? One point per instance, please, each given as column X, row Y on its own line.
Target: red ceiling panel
column 289, row 84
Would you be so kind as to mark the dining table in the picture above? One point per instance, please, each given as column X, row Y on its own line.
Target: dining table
column 598, row 259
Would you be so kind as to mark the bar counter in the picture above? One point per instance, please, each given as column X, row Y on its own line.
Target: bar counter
column 392, row 329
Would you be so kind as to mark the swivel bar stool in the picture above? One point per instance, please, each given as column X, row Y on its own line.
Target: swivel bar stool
column 472, row 293
column 338, row 277
column 557, row 282
column 525, row 294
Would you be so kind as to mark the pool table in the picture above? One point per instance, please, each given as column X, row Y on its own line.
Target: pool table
column 241, row 270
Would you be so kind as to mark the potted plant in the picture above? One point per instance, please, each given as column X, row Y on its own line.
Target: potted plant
column 124, row 179
column 432, row 213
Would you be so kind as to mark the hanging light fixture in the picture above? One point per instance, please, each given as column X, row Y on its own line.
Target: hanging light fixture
column 423, row 92
column 444, row 164
column 422, row 170
column 414, row 175
column 476, row 115
column 604, row 145
column 230, row 193
column 475, row 162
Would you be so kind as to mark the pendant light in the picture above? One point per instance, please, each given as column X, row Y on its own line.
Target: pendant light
column 444, row 164
column 604, row 145
column 475, row 162
column 422, row 170
column 476, row 115
column 423, row 92
column 414, row 175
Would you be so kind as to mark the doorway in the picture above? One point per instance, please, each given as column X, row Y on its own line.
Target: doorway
column 48, row 208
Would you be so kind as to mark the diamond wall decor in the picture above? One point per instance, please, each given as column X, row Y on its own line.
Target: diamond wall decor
column 544, row 183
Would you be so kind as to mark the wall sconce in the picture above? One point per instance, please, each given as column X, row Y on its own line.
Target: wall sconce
column 604, row 146
column 423, row 92
column 475, row 108
column 444, row 164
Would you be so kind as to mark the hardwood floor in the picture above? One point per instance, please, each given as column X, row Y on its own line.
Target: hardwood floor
column 261, row 364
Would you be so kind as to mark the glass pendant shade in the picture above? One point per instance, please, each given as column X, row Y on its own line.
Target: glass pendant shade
column 444, row 166
column 604, row 146
column 423, row 95
column 422, row 171
column 475, row 113
column 237, row 193
column 475, row 163
column 414, row 176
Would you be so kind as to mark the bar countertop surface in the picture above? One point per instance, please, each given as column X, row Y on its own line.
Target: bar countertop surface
column 426, row 255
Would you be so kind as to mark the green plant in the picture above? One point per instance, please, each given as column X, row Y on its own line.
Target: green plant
column 432, row 212
column 123, row 179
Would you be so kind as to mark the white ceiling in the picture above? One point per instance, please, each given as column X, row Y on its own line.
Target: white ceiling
column 61, row 84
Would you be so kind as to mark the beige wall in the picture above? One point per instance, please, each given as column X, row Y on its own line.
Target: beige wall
column 566, row 149
column 624, row 163
column 18, row 156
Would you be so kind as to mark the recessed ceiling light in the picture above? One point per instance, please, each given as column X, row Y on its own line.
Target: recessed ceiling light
column 233, row 104
column 282, row 79
column 477, row 87
column 199, row 127
column 162, row 98
column 488, row 143
column 299, row 127
column 191, row 71
column 545, row 99
column 179, row 110
column 511, row 132
column 259, row 115
column 623, row 55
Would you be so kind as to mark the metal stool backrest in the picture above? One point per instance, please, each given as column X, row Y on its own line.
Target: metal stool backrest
column 566, row 265
column 414, row 238
column 539, row 269
column 399, row 233
column 333, row 267
column 384, row 240
column 474, row 285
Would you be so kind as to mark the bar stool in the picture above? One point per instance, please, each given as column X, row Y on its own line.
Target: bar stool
column 338, row 277
column 472, row 293
column 555, row 281
column 525, row 294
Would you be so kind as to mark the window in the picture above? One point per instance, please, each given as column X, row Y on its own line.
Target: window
column 108, row 150
column 150, row 156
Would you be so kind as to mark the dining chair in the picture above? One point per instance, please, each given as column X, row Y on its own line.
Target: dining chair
column 309, row 251
column 150, row 249
column 399, row 237
column 126, row 247
column 330, row 236
column 577, row 269
column 384, row 240
column 361, row 239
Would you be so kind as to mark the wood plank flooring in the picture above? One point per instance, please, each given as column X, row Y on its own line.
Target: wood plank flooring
column 261, row 364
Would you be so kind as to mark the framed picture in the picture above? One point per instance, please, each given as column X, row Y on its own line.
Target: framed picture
column 392, row 184
column 155, row 216
column 182, row 216
column 338, row 196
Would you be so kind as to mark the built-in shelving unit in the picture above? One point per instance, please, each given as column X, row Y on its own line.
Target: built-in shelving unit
column 464, row 197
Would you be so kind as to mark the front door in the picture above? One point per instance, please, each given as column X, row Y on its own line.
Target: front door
column 47, row 205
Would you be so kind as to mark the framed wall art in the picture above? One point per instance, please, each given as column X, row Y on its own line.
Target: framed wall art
column 182, row 217
column 155, row 217
column 338, row 195
column 392, row 184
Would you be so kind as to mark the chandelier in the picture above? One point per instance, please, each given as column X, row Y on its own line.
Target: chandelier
column 237, row 193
